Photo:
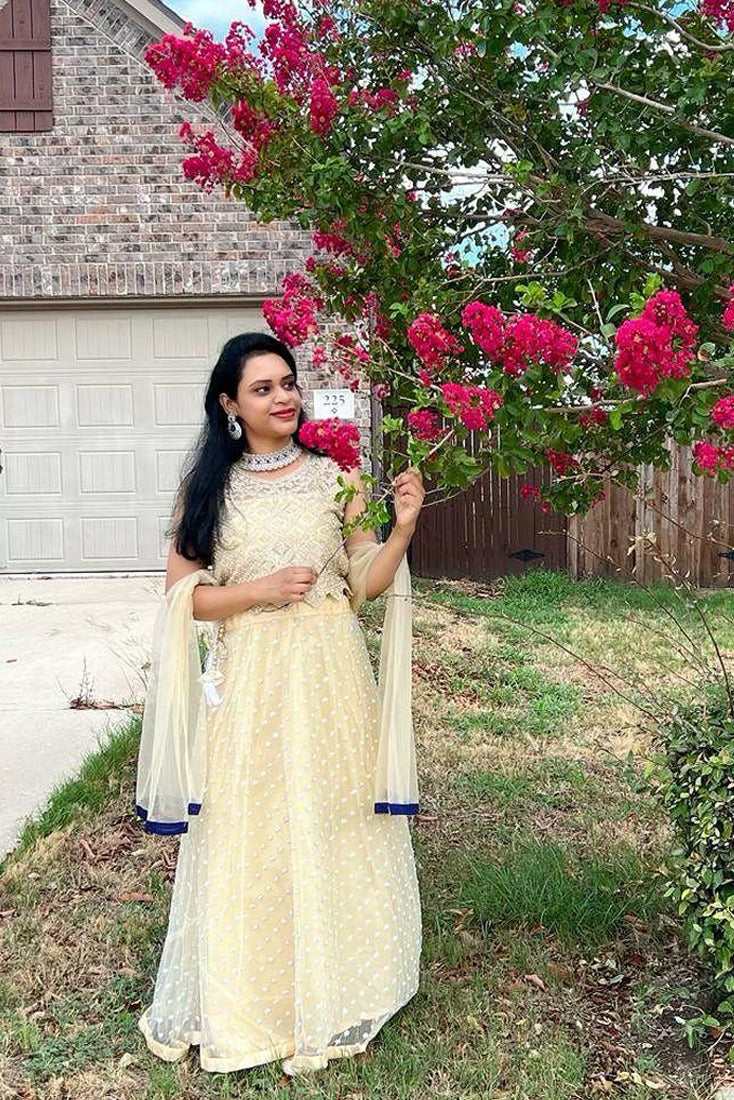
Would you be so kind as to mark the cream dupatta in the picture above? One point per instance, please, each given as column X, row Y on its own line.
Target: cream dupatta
column 171, row 776
column 172, row 756
column 396, row 778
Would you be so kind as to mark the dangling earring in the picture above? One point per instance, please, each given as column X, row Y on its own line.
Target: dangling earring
column 234, row 429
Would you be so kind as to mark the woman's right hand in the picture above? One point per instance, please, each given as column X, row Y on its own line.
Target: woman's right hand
column 288, row 585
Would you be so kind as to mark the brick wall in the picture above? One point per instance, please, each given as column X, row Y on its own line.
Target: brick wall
column 99, row 208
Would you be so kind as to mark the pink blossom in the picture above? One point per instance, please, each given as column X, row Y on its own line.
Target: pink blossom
column 473, row 405
column 593, row 418
column 529, row 492
column 191, row 62
column 561, row 462
column 424, row 424
column 253, row 125
column 667, row 310
column 530, row 339
column 333, row 243
column 349, row 359
column 706, row 455
column 293, row 317
column 324, row 106
column 433, row 344
column 728, row 318
column 213, row 164
column 723, row 412
column 487, row 327
column 339, row 439
column 658, row 344
column 522, row 255
column 722, row 11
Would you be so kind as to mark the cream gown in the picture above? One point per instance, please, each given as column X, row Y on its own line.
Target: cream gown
column 295, row 922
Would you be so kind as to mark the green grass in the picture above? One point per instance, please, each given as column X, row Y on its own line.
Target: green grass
column 539, row 885
column 536, row 857
column 103, row 776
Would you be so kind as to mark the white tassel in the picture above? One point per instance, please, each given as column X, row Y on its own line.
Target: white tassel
column 209, row 679
column 212, row 696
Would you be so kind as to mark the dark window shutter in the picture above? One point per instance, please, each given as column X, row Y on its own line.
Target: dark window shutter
column 26, row 104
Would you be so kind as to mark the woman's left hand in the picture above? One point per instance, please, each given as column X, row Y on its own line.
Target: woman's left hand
column 409, row 494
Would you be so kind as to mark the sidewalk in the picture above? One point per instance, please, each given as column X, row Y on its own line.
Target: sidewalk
column 83, row 637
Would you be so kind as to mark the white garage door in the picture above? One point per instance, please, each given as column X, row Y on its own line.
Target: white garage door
column 98, row 408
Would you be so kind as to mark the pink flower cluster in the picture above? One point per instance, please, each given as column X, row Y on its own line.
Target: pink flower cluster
column 596, row 418
column 333, row 243
column 314, row 266
column 212, row 163
column 339, row 439
column 371, row 308
column 349, row 358
column 530, row 339
column 723, row 412
column 293, row 317
column 319, row 358
column 711, row 458
column 192, row 62
column 424, row 424
column 728, row 318
column 658, row 344
column 516, row 342
column 532, row 492
column 324, row 106
column 195, row 61
column 522, row 255
column 722, row 11
column 561, row 462
column 375, row 101
column 254, row 126
column 473, row 405
column 487, row 326
column 433, row 344
column 286, row 47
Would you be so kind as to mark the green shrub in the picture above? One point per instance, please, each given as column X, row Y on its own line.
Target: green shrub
column 693, row 779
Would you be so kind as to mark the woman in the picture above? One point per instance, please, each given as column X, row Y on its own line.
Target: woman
column 295, row 926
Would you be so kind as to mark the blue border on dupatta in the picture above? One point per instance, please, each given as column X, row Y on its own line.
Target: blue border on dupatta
column 166, row 828
column 396, row 807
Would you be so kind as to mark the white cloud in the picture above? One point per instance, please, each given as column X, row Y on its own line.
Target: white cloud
column 217, row 15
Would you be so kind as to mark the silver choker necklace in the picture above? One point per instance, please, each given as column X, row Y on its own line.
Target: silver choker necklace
column 271, row 460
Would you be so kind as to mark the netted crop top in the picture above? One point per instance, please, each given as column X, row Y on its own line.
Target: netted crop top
column 291, row 519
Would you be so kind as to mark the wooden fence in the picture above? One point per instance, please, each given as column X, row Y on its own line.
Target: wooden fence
column 489, row 531
column 691, row 517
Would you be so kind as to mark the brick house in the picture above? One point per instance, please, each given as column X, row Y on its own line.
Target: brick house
column 120, row 281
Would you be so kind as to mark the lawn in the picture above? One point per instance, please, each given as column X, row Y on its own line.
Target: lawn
column 552, row 967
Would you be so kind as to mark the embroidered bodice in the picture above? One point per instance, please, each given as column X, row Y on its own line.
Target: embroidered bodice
column 292, row 519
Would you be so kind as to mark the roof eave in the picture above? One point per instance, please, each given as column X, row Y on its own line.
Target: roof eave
column 156, row 16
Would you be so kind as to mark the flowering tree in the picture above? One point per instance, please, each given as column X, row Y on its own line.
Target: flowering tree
column 520, row 216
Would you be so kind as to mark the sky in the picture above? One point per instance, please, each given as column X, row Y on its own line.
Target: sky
column 216, row 15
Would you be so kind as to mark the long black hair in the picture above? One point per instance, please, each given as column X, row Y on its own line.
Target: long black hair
column 200, row 497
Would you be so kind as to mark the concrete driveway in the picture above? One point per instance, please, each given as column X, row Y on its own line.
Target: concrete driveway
column 63, row 640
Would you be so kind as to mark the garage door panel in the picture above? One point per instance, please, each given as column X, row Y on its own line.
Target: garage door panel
column 104, row 472
column 102, row 405
column 29, row 473
column 103, row 338
column 23, row 406
column 114, row 538
column 180, row 337
column 98, row 411
column 21, row 342
column 36, row 539
column 168, row 469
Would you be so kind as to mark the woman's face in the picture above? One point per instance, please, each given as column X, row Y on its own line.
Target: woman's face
column 268, row 401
